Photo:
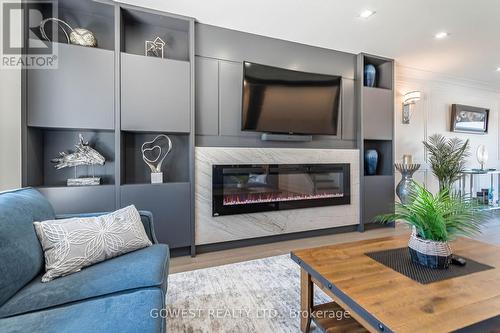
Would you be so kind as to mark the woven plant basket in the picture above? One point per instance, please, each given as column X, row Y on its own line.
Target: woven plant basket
column 429, row 253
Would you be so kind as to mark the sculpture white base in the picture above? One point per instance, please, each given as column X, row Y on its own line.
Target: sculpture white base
column 156, row 177
column 86, row 181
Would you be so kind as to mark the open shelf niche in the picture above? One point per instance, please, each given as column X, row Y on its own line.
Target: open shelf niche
column 80, row 92
column 175, row 166
column 385, row 160
column 139, row 26
column 97, row 17
column 384, row 74
column 45, row 144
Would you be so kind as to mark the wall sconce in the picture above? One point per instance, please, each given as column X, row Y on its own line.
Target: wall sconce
column 409, row 100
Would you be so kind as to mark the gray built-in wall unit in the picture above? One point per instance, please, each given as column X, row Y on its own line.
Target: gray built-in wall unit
column 117, row 98
column 376, row 131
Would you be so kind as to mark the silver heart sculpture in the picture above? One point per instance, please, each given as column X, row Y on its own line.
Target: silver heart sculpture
column 155, row 145
column 151, row 151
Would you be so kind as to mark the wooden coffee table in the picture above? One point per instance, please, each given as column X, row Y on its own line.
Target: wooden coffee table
column 380, row 299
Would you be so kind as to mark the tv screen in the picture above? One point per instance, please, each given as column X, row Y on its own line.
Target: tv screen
column 279, row 100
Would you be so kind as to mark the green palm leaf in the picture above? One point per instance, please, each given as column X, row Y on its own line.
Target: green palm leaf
column 440, row 217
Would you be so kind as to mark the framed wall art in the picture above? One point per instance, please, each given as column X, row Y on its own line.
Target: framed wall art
column 469, row 119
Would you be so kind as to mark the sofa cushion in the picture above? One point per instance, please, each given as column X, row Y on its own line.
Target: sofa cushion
column 74, row 243
column 21, row 256
column 147, row 267
column 146, row 219
column 125, row 312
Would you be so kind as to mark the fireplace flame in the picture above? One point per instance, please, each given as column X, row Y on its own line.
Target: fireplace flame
column 253, row 198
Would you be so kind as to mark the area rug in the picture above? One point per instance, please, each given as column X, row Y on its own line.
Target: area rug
column 254, row 296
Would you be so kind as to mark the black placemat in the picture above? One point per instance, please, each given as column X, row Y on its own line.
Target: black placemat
column 400, row 261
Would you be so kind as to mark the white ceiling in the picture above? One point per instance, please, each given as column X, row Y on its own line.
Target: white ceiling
column 400, row 29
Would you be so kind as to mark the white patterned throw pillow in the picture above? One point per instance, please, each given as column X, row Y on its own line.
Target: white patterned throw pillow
column 74, row 243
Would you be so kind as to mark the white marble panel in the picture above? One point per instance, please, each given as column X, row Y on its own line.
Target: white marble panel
column 234, row 227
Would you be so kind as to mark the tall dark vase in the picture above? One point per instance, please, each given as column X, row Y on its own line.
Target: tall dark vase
column 371, row 161
column 370, row 75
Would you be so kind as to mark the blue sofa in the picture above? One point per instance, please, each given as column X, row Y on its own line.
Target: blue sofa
column 123, row 294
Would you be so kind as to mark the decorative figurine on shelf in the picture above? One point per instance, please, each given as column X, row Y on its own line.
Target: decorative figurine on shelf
column 371, row 161
column 370, row 74
column 482, row 156
column 155, row 48
column 407, row 170
column 84, row 155
column 162, row 145
column 77, row 36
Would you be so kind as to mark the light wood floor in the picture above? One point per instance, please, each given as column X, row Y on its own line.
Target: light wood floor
column 491, row 234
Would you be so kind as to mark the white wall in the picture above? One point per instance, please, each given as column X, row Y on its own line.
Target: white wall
column 432, row 115
column 10, row 125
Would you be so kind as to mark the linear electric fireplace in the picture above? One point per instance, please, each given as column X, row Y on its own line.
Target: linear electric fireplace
column 252, row 188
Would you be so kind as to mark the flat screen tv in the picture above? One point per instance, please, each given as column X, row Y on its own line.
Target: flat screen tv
column 278, row 100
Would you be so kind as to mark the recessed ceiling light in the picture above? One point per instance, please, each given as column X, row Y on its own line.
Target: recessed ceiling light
column 366, row 13
column 498, row 69
column 441, row 35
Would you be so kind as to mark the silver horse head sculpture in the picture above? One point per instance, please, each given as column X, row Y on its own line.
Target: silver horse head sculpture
column 84, row 155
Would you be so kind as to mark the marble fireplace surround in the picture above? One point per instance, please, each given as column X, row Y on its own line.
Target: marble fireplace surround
column 211, row 230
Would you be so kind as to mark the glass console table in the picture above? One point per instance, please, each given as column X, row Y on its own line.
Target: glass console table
column 471, row 183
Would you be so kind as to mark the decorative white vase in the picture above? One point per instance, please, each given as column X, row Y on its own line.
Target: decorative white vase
column 482, row 156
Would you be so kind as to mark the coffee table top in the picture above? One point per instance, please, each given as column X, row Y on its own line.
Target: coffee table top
column 384, row 296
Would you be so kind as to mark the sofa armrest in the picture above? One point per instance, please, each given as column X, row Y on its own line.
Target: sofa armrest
column 146, row 219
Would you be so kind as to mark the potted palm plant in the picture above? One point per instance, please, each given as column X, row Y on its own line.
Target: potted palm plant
column 447, row 158
column 436, row 220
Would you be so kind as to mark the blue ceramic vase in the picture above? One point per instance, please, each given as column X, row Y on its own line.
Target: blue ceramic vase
column 371, row 161
column 370, row 75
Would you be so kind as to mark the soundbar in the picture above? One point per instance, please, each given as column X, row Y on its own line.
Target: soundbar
column 285, row 137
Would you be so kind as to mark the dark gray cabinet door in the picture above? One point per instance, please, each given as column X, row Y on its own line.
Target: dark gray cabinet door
column 170, row 205
column 155, row 94
column 207, row 96
column 78, row 94
column 348, row 110
column 378, row 113
column 84, row 199
column 378, row 196
column 230, row 92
